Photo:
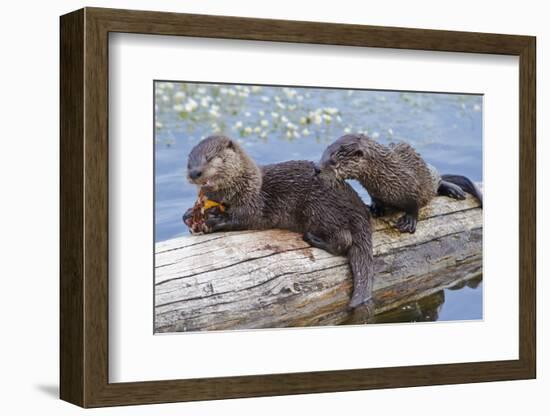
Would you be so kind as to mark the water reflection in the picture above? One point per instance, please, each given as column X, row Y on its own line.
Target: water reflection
column 435, row 307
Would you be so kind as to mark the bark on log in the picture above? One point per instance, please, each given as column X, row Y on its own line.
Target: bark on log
column 272, row 279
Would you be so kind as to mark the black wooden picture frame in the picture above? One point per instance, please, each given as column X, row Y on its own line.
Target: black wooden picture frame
column 84, row 207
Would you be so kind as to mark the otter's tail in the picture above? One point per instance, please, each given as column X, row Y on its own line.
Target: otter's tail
column 465, row 184
column 362, row 266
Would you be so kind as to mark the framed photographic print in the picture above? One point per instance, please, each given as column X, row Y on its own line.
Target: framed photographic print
column 255, row 207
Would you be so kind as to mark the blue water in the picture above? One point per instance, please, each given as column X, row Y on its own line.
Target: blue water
column 276, row 124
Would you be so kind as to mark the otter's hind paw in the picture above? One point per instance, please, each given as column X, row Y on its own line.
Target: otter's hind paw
column 451, row 190
column 314, row 241
column 407, row 224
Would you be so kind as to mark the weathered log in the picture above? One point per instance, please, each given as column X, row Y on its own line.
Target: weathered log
column 271, row 279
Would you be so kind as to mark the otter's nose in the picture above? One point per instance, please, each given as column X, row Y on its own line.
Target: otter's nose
column 195, row 173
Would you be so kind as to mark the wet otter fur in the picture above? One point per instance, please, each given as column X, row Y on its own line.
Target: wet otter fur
column 291, row 195
column 395, row 176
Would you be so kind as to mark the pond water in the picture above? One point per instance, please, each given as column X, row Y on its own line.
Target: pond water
column 275, row 124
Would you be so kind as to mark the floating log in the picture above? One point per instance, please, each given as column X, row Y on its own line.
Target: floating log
column 273, row 279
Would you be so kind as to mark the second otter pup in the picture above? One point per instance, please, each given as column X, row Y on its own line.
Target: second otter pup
column 290, row 195
column 395, row 176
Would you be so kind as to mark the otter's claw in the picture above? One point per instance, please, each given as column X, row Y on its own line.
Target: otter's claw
column 406, row 224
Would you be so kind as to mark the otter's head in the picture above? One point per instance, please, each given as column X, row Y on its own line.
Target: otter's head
column 345, row 157
column 214, row 162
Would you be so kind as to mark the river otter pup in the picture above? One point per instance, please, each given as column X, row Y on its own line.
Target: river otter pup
column 395, row 176
column 290, row 195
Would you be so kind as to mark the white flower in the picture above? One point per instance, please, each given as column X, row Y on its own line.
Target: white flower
column 238, row 124
column 247, row 114
column 264, row 123
column 256, row 88
column 178, row 107
column 261, row 112
column 179, row 95
column 158, row 125
column 305, row 132
column 477, row 107
column 265, row 99
column 317, row 119
column 191, row 105
column 303, row 120
column 347, row 130
column 263, row 135
column 247, row 130
column 274, row 115
column 390, row 132
column 205, row 101
column 290, row 93
column 375, row 135
column 169, row 86
column 327, row 118
column 257, row 129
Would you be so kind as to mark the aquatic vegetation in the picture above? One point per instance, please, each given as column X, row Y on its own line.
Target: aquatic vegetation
column 261, row 113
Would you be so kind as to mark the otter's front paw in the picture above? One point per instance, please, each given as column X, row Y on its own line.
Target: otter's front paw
column 216, row 221
column 407, row 224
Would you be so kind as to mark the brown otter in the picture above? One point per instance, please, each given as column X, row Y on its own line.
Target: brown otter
column 395, row 176
column 291, row 195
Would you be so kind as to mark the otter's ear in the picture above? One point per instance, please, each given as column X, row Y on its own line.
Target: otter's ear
column 230, row 144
